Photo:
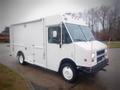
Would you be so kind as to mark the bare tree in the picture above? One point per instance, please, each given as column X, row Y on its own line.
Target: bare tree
column 91, row 19
column 108, row 18
column 102, row 14
column 114, row 21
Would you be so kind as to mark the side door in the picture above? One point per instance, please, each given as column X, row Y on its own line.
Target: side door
column 37, row 42
column 59, row 46
column 53, row 46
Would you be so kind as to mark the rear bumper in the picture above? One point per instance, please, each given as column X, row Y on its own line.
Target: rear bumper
column 95, row 68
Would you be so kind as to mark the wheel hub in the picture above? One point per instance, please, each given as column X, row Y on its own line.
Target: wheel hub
column 21, row 59
column 67, row 73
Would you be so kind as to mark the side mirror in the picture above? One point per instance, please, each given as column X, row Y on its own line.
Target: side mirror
column 54, row 34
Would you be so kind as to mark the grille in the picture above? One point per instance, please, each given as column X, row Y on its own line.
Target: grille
column 100, row 58
column 100, row 52
column 100, row 55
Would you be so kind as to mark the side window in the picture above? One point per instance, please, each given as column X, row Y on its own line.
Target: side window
column 54, row 34
column 65, row 36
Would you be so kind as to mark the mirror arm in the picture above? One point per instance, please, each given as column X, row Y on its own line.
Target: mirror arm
column 60, row 45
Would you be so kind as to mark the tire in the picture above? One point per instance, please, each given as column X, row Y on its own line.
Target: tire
column 69, row 72
column 21, row 58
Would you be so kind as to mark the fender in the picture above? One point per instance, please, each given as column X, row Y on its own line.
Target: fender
column 66, row 60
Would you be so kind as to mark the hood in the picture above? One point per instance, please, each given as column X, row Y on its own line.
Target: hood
column 94, row 45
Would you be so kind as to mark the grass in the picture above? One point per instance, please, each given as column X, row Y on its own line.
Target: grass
column 4, row 41
column 10, row 80
column 113, row 44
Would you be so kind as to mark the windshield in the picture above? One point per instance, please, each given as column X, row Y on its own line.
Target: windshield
column 79, row 32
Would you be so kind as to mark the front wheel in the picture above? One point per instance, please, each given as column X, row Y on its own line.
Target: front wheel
column 69, row 72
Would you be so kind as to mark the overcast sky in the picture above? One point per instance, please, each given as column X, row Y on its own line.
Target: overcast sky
column 16, row 11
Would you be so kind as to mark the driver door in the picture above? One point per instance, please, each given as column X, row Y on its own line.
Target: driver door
column 59, row 46
column 53, row 46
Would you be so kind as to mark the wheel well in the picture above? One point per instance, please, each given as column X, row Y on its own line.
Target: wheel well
column 19, row 52
column 66, row 60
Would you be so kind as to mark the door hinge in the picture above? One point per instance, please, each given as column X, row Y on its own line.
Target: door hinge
column 43, row 55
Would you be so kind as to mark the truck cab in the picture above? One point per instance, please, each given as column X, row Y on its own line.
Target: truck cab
column 73, row 48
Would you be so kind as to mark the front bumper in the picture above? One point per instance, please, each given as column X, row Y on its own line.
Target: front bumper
column 95, row 68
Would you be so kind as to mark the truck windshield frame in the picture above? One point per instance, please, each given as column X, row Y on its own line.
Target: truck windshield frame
column 79, row 32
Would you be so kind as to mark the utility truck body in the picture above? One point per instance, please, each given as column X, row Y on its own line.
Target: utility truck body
column 59, row 43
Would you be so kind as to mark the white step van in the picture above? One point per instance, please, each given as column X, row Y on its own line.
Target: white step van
column 60, row 43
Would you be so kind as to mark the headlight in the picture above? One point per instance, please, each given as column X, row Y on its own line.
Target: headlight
column 105, row 50
column 106, row 53
column 93, row 56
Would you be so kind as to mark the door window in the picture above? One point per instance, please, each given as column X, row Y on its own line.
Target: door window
column 54, row 34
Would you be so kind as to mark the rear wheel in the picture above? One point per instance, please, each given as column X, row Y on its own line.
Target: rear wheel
column 69, row 72
column 21, row 58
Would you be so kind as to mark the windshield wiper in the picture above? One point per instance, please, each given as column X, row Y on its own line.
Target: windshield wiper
column 91, row 39
column 78, row 40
